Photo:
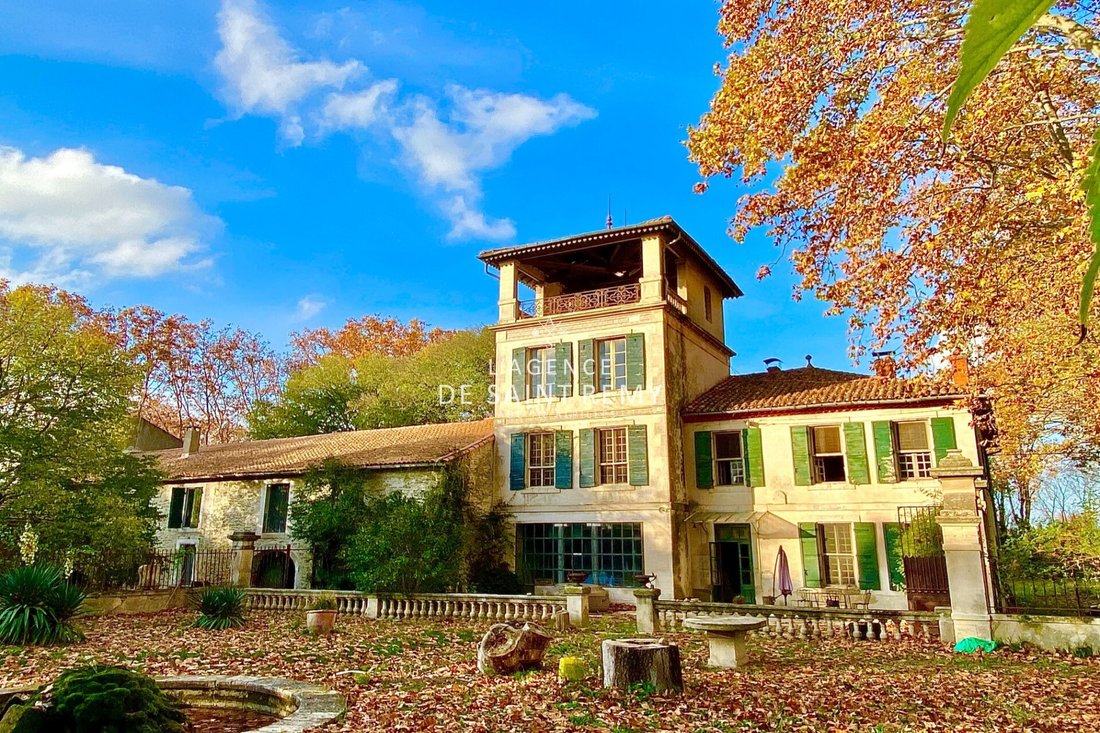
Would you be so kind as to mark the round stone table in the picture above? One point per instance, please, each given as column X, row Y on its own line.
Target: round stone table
column 726, row 637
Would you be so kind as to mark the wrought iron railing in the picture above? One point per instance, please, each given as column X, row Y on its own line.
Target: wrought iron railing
column 1054, row 596
column 159, row 570
column 583, row 301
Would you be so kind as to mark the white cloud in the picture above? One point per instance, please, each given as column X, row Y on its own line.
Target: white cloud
column 66, row 218
column 308, row 307
column 447, row 143
column 263, row 74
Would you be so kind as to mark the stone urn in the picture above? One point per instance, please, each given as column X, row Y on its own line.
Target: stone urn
column 320, row 621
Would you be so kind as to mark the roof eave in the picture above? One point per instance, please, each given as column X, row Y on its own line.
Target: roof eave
column 704, row 416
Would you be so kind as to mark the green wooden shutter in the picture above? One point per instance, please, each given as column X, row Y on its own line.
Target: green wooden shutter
column 587, row 371
column 867, row 556
column 635, row 361
column 943, row 436
column 895, row 566
column 704, row 460
column 563, row 459
column 753, row 452
column 278, row 499
column 175, row 508
column 517, row 478
column 563, row 370
column 519, row 374
column 811, row 561
column 637, row 452
column 885, row 462
column 800, row 449
column 196, row 508
column 587, row 458
column 855, row 449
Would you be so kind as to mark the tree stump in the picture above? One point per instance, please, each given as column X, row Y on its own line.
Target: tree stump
column 511, row 647
column 630, row 661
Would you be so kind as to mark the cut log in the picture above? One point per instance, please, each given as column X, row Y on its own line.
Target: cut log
column 629, row 661
column 511, row 647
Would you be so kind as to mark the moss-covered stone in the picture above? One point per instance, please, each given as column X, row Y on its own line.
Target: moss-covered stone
column 111, row 700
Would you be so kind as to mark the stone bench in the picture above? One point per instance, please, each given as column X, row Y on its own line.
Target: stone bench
column 726, row 637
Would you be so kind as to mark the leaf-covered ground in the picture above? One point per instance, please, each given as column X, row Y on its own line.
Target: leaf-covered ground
column 421, row 676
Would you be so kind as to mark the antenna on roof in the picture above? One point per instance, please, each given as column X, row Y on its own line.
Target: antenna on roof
column 809, row 361
column 610, row 223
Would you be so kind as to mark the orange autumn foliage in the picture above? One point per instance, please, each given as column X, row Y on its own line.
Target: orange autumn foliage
column 362, row 336
column 832, row 110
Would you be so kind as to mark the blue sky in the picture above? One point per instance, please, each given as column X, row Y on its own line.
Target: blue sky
column 279, row 166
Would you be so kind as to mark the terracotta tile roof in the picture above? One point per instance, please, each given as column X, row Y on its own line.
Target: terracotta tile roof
column 587, row 239
column 789, row 390
column 413, row 445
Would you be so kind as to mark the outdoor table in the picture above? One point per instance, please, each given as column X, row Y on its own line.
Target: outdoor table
column 726, row 637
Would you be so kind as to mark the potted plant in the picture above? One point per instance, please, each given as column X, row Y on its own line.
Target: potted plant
column 321, row 616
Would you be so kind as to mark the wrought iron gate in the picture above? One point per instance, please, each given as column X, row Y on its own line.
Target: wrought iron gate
column 923, row 560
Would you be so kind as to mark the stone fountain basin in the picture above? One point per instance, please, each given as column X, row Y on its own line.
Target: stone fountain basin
column 301, row 706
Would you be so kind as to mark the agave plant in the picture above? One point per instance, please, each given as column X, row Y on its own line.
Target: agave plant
column 220, row 608
column 37, row 606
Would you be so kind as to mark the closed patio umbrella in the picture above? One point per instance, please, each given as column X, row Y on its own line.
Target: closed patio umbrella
column 782, row 575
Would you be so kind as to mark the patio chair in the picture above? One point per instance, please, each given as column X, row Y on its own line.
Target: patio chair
column 860, row 600
column 806, row 598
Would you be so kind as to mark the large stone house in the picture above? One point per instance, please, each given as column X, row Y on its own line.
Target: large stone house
column 622, row 446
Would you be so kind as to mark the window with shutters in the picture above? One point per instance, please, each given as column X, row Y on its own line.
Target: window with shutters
column 540, row 460
column 185, row 509
column 729, row 460
column 914, row 449
column 541, row 366
column 826, row 448
column 612, row 454
column 611, row 356
column 276, row 504
column 838, row 554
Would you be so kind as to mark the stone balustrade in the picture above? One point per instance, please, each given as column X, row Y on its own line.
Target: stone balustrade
column 809, row 623
column 473, row 606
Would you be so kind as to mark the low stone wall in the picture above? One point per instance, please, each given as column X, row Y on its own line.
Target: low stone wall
column 135, row 601
column 1052, row 633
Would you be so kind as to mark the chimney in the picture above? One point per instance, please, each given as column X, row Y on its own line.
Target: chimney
column 883, row 364
column 960, row 371
column 773, row 364
column 191, row 437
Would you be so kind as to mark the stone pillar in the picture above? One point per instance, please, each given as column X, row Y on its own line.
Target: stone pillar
column 652, row 279
column 507, row 302
column 372, row 607
column 963, row 544
column 645, row 601
column 576, row 602
column 244, row 544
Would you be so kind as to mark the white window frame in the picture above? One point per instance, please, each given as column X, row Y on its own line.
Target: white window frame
column 737, row 465
column 818, row 470
column 917, row 472
column 846, row 561
column 614, row 466
column 612, row 371
column 541, row 368
column 548, row 466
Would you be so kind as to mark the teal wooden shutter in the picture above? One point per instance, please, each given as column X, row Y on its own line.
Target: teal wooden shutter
column 519, row 374
column 175, row 508
column 635, row 361
column 867, row 556
column 563, row 459
column 943, row 436
column 895, row 566
column 196, row 508
column 587, row 458
column 563, row 370
column 517, row 475
column 753, row 452
column 637, row 451
column 704, row 460
column 278, row 499
column 885, row 462
column 811, row 560
column 855, row 449
column 588, row 370
column 800, row 449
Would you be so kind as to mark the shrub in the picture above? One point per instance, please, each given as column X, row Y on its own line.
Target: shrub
column 111, row 700
column 323, row 602
column 37, row 606
column 220, row 608
column 495, row 579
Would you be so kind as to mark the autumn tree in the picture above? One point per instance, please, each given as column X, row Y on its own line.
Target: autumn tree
column 444, row 381
column 361, row 336
column 833, row 112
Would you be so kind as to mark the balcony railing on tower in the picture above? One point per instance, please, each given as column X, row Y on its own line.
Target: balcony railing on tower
column 583, row 301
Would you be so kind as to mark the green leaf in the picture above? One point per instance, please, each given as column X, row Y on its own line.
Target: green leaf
column 991, row 29
column 1092, row 201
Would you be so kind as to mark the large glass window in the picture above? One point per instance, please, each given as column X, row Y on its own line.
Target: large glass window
column 839, row 554
column 613, row 456
column 541, row 366
column 612, row 358
column 828, row 454
column 610, row 553
column 728, row 459
column 540, row 459
column 914, row 454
